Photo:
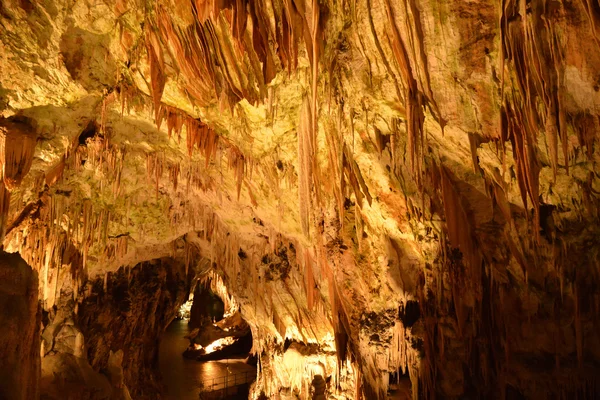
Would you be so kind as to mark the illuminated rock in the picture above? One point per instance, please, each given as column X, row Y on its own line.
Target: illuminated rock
column 405, row 188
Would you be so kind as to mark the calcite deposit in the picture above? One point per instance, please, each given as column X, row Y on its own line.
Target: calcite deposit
column 401, row 196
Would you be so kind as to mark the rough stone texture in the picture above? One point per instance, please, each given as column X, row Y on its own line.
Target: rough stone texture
column 336, row 163
column 66, row 372
column 19, row 329
column 123, row 321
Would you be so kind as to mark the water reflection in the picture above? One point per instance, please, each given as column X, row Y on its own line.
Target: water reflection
column 183, row 378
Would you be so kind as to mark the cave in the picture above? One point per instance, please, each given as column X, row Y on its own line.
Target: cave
column 218, row 327
column 299, row 199
column 205, row 350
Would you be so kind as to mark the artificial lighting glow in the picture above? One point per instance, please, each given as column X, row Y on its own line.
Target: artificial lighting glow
column 216, row 345
column 186, row 308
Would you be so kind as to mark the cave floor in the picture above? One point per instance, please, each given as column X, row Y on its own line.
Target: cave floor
column 182, row 377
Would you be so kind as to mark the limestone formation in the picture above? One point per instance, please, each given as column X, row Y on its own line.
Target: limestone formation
column 402, row 196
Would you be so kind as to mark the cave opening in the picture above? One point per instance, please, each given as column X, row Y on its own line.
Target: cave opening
column 319, row 386
column 399, row 385
column 205, row 350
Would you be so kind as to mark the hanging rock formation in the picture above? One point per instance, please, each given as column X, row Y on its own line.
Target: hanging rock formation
column 389, row 189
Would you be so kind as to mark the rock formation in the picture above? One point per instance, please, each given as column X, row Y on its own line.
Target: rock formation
column 19, row 332
column 391, row 190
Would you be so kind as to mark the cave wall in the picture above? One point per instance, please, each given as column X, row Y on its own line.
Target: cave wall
column 123, row 317
column 19, row 329
column 66, row 371
column 103, row 343
column 335, row 161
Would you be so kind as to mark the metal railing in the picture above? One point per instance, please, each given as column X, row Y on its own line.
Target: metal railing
column 228, row 381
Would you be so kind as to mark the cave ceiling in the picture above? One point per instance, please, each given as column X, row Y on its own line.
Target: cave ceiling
column 406, row 150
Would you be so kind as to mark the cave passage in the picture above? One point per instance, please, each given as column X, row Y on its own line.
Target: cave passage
column 184, row 377
column 205, row 350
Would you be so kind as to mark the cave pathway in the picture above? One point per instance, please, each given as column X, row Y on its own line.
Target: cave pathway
column 182, row 377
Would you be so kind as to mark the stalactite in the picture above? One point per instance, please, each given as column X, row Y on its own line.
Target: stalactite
column 526, row 161
column 17, row 144
column 311, row 292
column 382, row 55
column 237, row 163
column 215, row 282
column 46, row 245
column 413, row 98
column 279, row 325
column 417, row 43
column 182, row 45
column 587, row 127
column 500, row 199
column 175, row 121
column 552, row 140
column 306, row 153
column 56, row 172
column 4, row 208
column 473, row 144
column 103, row 111
column 202, row 137
column 355, row 178
column 313, row 25
column 398, row 351
column 57, row 209
column 122, row 243
column 127, row 94
column 154, row 169
column 461, row 235
column 157, row 67
column 219, row 42
column 87, row 215
column 174, row 171
column 230, row 53
column 533, row 50
column 334, row 138
column 340, row 325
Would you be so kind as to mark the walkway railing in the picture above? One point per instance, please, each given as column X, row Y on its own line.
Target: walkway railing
column 228, row 381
